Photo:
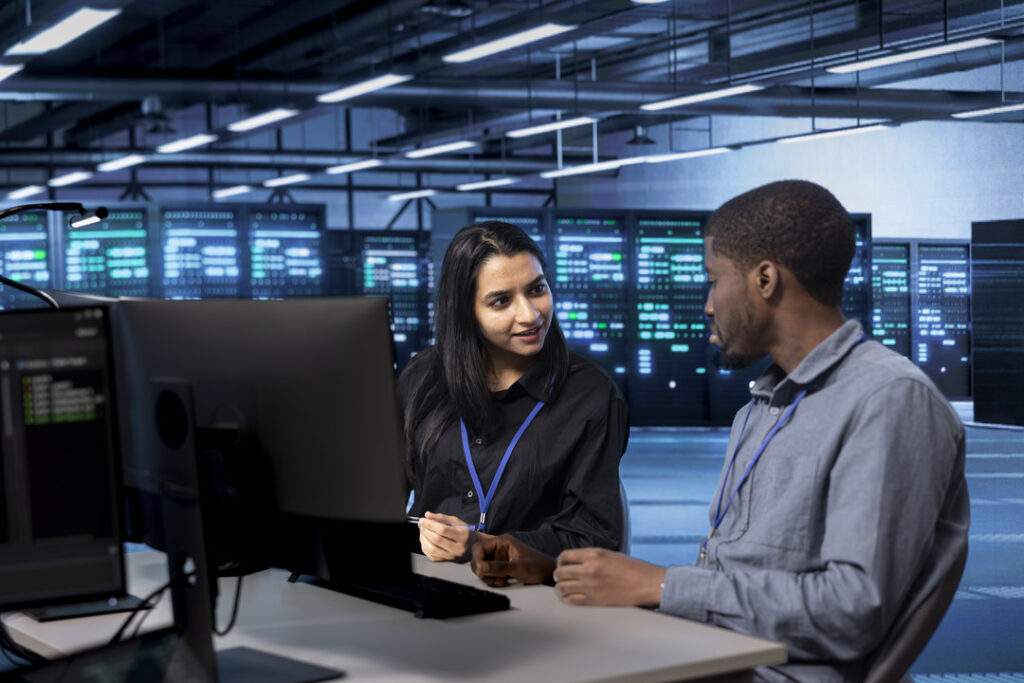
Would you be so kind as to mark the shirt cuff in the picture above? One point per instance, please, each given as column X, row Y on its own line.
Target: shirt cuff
column 687, row 592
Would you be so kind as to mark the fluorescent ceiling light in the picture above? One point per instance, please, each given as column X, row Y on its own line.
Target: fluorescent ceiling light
column 483, row 184
column 8, row 70
column 266, row 118
column 898, row 57
column 592, row 168
column 988, row 112
column 418, row 194
column 26, row 191
column 122, row 162
column 355, row 166
column 702, row 97
column 649, row 2
column 186, row 143
column 82, row 222
column 837, row 133
column 286, row 180
column 548, row 127
column 231, row 191
column 351, row 91
column 677, row 156
column 507, row 43
column 69, row 178
column 63, row 32
column 440, row 149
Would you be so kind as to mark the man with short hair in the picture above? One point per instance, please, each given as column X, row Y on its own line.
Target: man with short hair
column 842, row 501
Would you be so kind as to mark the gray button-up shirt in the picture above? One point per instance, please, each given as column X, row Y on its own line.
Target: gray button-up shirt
column 856, row 509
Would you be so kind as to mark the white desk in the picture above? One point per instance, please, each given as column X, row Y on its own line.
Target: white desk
column 539, row 639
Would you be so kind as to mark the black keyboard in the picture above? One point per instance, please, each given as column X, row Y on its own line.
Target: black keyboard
column 425, row 596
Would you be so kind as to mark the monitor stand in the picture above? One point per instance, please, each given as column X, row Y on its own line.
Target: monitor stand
column 192, row 582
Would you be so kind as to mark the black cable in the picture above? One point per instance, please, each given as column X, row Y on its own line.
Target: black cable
column 145, row 601
column 234, row 610
column 152, row 607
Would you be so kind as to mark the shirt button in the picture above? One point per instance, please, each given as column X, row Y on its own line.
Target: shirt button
column 478, row 441
column 774, row 410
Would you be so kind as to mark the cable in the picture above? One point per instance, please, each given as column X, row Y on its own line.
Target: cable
column 145, row 601
column 234, row 610
column 152, row 606
column 11, row 647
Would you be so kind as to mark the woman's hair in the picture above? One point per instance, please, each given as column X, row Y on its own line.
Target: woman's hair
column 454, row 383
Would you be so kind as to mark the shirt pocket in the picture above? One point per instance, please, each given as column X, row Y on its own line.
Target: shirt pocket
column 784, row 502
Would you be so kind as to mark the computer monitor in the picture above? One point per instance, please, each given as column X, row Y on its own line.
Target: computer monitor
column 60, row 495
column 297, row 422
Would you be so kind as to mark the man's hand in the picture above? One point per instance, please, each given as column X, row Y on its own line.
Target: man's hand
column 498, row 559
column 445, row 538
column 592, row 576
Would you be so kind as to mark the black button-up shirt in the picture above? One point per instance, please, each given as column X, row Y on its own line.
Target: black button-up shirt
column 560, row 488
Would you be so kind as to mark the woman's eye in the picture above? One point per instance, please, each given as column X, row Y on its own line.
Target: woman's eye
column 540, row 289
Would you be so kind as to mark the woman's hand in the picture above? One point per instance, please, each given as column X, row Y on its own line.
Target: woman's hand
column 445, row 538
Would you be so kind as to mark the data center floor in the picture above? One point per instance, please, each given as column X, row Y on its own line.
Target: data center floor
column 670, row 476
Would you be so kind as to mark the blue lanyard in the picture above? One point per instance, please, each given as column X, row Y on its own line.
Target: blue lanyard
column 482, row 500
column 719, row 512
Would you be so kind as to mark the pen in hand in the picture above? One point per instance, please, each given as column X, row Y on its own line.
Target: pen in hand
column 416, row 520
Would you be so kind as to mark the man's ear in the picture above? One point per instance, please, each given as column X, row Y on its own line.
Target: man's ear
column 768, row 279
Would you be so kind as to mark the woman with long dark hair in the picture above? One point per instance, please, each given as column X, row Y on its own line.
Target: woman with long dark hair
column 507, row 431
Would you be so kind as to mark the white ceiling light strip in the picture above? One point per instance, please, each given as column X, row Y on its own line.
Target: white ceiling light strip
column 1006, row 108
column 231, row 191
column 507, row 43
column 264, row 119
column 69, row 178
column 355, row 166
column 440, row 149
column 900, row 57
column 701, row 97
column 122, row 162
column 484, row 184
column 190, row 142
column 26, row 191
column 348, row 92
column 416, row 194
column 592, row 168
column 63, row 32
column 8, row 70
column 678, row 156
column 286, row 180
column 549, row 127
column 837, row 133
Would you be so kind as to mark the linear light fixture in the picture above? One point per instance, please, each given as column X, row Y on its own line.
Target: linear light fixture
column 988, row 112
column 440, row 149
column 507, row 43
column 355, row 166
column 484, row 184
column 362, row 88
column 26, row 191
column 63, row 32
column 592, row 168
column 677, row 156
column 8, row 70
column 122, row 162
column 417, row 194
column 837, row 133
column 286, row 180
column 85, row 220
column 190, row 142
column 548, row 127
column 649, row 2
column 899, row 57
column 231, row 191
column 264, row 119
column 69, row 178
column 702, row 97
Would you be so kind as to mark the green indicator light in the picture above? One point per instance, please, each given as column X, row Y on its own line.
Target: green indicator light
column 616, row 257
column 39, row 254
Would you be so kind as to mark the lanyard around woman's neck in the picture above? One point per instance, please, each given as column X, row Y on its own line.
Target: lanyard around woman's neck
column 484, row 501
